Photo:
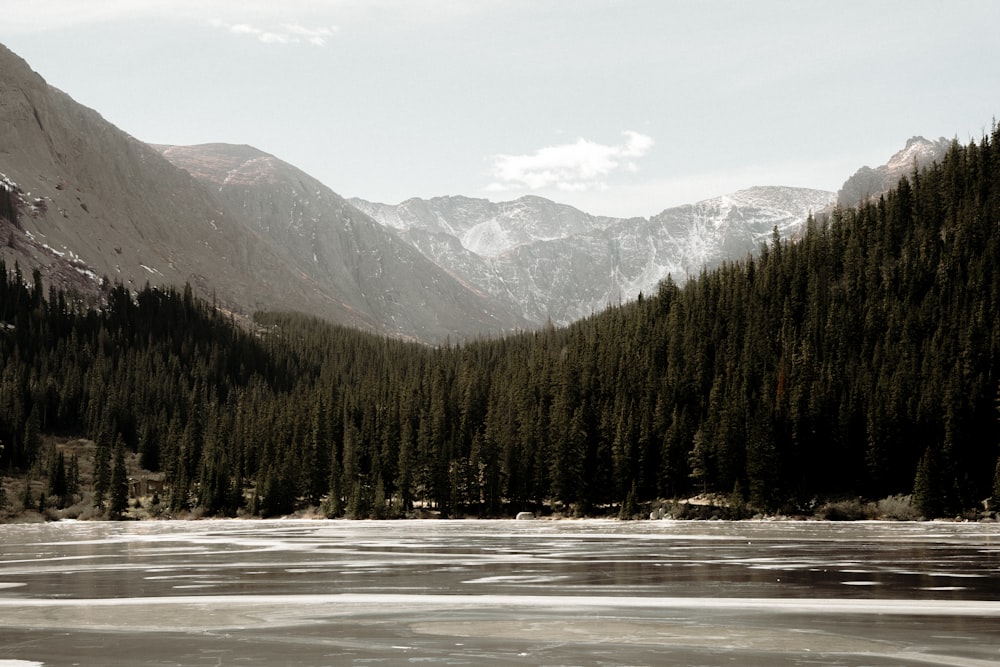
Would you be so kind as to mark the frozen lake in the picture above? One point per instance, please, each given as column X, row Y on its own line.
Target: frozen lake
column 499, row 593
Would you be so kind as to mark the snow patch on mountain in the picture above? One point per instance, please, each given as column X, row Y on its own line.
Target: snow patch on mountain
column 488, row 239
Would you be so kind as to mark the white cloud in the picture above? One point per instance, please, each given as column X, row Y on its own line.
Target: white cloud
column 317, row 36
column 285, row 33
column 263, row 16
column 579, row 166
column 258, row 18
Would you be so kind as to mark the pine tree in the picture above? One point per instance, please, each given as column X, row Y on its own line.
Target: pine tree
column 58, row 484
column 27, row 499
column 405, row 470
column 380, row 507
column 119, row 482
column 73, row 481
column 995, row 499
column 149, row 448
column 630, row 507
column 928, row 496
column 32, row 435
column 102, row 470
column 333, row 505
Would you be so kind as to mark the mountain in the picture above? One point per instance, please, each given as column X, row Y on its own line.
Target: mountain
column 96, row 205
column 557, row 263
column 332, row 244
column 859, row 362
column 252, row 232
column 866, row 182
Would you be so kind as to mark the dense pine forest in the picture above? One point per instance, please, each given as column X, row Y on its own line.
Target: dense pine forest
column 861, row 359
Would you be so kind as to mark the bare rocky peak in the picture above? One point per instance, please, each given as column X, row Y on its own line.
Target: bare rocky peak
column 917, row 153
column 868, row 182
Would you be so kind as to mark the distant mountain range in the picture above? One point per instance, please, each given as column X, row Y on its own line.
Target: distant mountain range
column 560, row 264
column 251, row 232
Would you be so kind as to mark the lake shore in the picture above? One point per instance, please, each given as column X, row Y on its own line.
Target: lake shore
column 23, row 499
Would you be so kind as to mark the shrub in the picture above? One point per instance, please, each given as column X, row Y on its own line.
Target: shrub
column 844, row 510
column 899, row 508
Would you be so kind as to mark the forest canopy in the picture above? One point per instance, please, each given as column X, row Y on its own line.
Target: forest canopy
column 858, row 359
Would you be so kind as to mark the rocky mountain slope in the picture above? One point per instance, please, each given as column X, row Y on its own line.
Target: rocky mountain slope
column 330, row 243
column 97, row 206
column 560, row 264
column 95, row 203
column 866, row 182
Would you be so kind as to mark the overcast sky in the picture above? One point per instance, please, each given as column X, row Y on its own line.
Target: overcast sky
column 617, row 107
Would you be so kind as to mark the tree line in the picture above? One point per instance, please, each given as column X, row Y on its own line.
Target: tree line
column 859, row 359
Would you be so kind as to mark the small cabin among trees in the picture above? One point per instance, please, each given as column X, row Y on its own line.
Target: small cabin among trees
column 146, row 485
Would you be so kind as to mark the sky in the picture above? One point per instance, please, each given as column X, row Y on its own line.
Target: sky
column 617, row 107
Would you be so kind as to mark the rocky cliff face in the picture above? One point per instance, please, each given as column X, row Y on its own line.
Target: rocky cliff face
column 558, row 263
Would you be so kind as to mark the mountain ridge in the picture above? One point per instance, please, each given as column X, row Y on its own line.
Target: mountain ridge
column 520, row 250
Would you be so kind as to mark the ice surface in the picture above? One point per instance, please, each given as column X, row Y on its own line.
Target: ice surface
column 474, row 592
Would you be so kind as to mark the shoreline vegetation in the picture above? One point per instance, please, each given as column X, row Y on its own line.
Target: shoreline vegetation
column 32, row 505
column 850, row 372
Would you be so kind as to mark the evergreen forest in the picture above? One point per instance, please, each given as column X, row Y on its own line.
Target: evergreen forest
column 860, row 359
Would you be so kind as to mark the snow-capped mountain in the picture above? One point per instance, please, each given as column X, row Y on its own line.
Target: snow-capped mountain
column 560, row 264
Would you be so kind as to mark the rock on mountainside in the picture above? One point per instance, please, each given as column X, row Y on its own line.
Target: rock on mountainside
column 95, row 203
column 560, row 264
column 866, row 182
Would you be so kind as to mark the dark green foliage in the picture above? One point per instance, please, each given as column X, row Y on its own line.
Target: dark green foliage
column 995, row 498
column 630, row 506
column 119, row 482
column 58, row 481
column 829, row 366
column 73, row 479
column 27, row 499
column 102, row 470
